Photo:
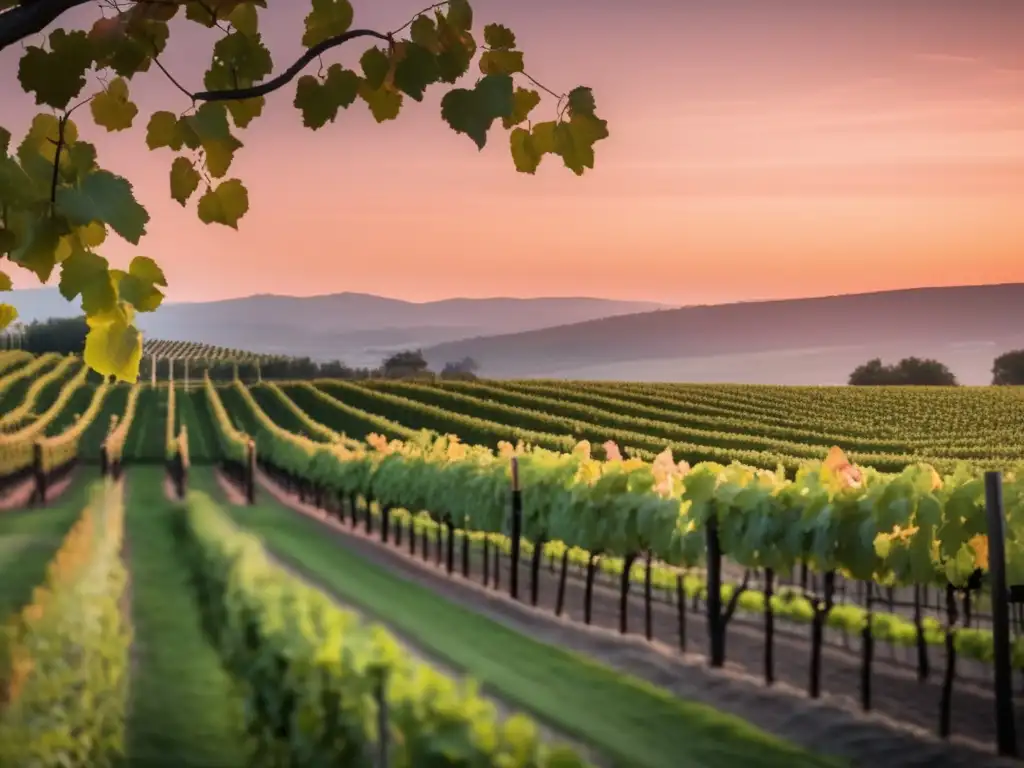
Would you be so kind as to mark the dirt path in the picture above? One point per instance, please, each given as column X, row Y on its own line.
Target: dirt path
column 831, row 725
column 19, row 496
column 296, row 569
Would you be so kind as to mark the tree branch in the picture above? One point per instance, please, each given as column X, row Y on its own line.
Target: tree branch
column 262, row 89
column 30, row 17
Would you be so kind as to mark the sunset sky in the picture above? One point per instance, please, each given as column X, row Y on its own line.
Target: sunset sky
column 759, row 149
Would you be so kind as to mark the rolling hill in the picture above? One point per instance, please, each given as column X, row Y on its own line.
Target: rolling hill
column 799, row 341
column 358, row 328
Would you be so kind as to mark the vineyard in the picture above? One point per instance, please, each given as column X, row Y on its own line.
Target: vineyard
column 299, row 572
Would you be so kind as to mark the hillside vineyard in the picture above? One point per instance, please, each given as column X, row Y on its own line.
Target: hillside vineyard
column 846, row 526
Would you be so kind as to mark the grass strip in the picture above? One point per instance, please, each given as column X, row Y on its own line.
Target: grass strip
column 629, row 720
column 184, row 711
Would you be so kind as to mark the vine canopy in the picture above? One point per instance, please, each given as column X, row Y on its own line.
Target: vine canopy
column 58, row 205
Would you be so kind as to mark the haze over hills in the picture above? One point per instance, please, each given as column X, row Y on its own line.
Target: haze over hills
column 797, row 341
column 357, row 328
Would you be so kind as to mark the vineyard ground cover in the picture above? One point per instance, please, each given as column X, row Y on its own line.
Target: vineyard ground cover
column 271, row 404
column 195, row 415
column 145, row 440
column 630, row 722
column 183, row 709
column 831, row 725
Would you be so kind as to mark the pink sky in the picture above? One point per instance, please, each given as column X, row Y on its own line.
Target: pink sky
column 758, row 149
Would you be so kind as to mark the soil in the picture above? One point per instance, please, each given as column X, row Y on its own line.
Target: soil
column 19, row 496
column 897, row 733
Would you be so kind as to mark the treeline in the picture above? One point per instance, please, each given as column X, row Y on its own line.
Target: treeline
column 1007, row 370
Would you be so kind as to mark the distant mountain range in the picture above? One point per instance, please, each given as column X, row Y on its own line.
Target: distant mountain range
column 795, row 341
column 358, row 328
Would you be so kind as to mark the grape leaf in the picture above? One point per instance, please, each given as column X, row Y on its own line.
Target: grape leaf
column 327, row 19
column 5, row 140
column 375, row 65
column 112, row 109
column 8, row 315
column 523, row 102
column 106, row 198
column 524, row 152
column 184, row 179
column 5, row 282
column 113, row 347
column 38, row 252
column 417, row 69
column 574, row 141
column 224, row 205
column 219, row 155
column 319, row 101
column 384, row 103
column 501, row 62
column 499, row 38
column 85, row 273
column 57, row 75
column 144, row 268
column 581, row 102
column 137, row 286
column 164, row 130
column 473, row 112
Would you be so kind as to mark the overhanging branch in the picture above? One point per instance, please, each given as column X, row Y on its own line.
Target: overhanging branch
column 262, row 89
column 30, row 17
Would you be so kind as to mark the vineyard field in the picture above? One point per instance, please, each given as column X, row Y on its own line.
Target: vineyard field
column 618, row 542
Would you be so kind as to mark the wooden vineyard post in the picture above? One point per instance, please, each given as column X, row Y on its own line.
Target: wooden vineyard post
column 714, row 600
column 250, row 473
column 152, row 373
column 38, row 473
column 104, row 461
column 517, row 523
column 1006, row 732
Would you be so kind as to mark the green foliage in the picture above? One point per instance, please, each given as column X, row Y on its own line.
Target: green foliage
column 72, row 643
column 910, row 371
column 1008, row 368
column 327, row 671
column 57, row 204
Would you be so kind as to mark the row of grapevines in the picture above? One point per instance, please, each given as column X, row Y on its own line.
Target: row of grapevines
column 66, row 696
column 287, row 642
column 28, row 372
column 568, row 397
column 337, row 470
column 234, row 444
column 16, row 448
column 118, row 434
column 564, row 399
column 16, row 418
column 59, row 449
column 344, row 416
column 170, row 436
column 552, row 412
column 9, row 358
column 311, row 426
